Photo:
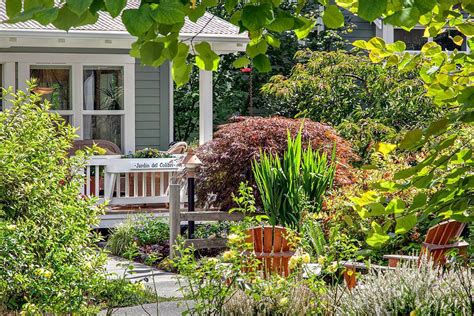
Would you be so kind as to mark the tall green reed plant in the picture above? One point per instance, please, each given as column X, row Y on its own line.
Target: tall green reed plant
column 295, row 183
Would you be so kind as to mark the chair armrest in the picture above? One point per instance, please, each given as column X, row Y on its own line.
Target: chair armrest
column 363, row 266
column 400, row 257
column 458, row 244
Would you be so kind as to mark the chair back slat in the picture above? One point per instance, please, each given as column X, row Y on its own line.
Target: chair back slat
column 271, row 248
column 441, row 234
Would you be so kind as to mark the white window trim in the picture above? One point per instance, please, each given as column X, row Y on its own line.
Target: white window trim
column 77, row 63
column 387, row 32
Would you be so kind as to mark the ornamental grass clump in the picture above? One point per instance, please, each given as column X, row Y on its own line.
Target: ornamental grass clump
column 48, row 258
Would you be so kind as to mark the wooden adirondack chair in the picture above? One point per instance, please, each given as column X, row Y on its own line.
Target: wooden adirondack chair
column 439, row 240
column 272, row 248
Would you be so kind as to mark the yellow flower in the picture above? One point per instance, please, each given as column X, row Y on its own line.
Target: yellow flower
column 413, row 313
column 228, row 255
column 333, row 267
column 293, row 262
column 11, row 227
column 47, row 274
column 234, row 239
column 321, row 260
column 306, row 258
column 283, row 301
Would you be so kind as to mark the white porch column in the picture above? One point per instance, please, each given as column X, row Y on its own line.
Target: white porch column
column 205, row 106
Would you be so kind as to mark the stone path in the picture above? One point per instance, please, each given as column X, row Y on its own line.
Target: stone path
column 164, row 283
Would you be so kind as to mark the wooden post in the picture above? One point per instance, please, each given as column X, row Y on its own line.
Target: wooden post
column 175, row 221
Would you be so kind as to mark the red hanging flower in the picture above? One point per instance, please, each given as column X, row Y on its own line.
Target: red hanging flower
column 246, row 69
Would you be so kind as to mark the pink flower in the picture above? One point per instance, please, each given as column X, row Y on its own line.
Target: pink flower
column 246, row 69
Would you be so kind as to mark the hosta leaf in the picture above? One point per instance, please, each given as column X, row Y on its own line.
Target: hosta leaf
column 332, row 17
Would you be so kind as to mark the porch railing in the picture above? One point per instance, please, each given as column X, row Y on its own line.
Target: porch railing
column 131, row 181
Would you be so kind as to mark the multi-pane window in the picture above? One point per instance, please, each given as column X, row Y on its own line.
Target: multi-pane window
column 54, row 84
column 103, row 103
column 413, row 39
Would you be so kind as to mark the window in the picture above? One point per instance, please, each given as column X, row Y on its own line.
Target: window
column 103, row 103
column 54, row 84
column 413, row 39
column 445, row 40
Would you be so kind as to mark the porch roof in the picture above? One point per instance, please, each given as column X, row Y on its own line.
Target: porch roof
column 209, row 28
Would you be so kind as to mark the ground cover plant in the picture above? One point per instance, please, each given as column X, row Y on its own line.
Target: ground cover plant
column 145, row 240
column 227, row 158
column 49, row 260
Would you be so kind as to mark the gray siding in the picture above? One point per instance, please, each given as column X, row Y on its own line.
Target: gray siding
column 362, row 30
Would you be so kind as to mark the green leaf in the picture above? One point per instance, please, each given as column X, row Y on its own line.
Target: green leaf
column 137, row 21
column 376, row 209
column 255, row 17
column 332, row 17
column 422, row 182
column 209, row 3
column 230, row 5
column 206, row 58
column 46, row 16
column 196, row 13
column 67, row 19
column 371, row 9
column 115, row 7
column 466, row 28
column 262, row 63
column 385, row 148
column 151, row 52
column 37, row 4
column 78, row 6
column 418, row 201
column 407, row 17
column 181, row 70
column 378, row 236
column 437, row 127
column 284, row 21
column 273, row 41
column 308, row 26
column 397, row 47
column 405, row 173
column 405, row 223
column 395, row 206
column 168, row 12
column 360, row 44
column 13, row 7
column 411, row 139
column 241, row 62
column 255, row 48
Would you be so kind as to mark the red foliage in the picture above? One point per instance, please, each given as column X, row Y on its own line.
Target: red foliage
column 227, row 158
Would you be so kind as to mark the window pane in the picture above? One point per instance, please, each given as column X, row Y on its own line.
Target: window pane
column 108, row 127
column 445, row 40
column 413, row 39
column 103, row 88
column 53, row 83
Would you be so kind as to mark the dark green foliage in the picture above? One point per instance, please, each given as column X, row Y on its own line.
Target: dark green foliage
column 148, row 153
column 364, row 101
column 48, row 260
column 121, row 292
column 152, row 231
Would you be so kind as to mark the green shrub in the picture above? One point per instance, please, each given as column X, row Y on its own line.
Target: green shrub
column 352, row 94
column 410, row 290
column 48, row 259
column 121, row 292
column 121, row 238
column 151, row 231
column 294, row 184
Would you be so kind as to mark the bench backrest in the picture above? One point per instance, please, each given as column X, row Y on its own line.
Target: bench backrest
column 271, row 246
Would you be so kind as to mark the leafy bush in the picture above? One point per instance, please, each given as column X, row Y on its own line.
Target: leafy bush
column 411, row 290
column 294, row 184
column 148, row 153
column 122, row 292
column 49, row 263
column 343, row 89
column 151, row 231
column 227, row 158
column 121, row 238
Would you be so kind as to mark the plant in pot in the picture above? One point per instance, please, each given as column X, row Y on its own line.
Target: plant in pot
column 295, row 183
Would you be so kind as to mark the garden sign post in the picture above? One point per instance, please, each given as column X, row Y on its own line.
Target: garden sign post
column 191, row 162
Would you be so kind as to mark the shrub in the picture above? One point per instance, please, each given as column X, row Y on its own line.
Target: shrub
column 340, row 88
column 49, row 263
column 121, row 238
column 151, row 231
column 294, row 184
column 227, row 158
column 411, row 290
column 122, row 292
